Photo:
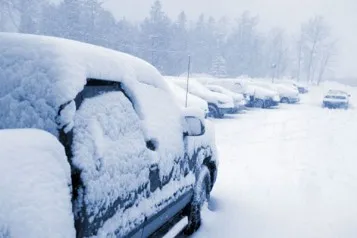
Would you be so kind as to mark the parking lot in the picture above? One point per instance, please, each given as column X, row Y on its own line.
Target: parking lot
column 287, row 172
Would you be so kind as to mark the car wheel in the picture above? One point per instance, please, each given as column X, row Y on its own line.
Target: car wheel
column 213, row 111
column 259, row 103
column 200, row 196
column 266, row 104
column 285, row 100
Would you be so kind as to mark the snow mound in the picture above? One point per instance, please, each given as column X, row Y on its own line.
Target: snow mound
column 35, row 199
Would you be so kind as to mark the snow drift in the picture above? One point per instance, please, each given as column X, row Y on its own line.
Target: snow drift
column 35, row 199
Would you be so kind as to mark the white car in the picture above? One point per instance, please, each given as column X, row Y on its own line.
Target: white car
column 218, row 104
column 302, row 88
column 192, row 100
column 336, row 99
column 287, row 94
column 238, row 98
column 255, row 96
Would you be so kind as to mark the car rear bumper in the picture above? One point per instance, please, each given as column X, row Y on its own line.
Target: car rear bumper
column 223, row 111
column 271, row 103
column 294, row 100
column 335, row 104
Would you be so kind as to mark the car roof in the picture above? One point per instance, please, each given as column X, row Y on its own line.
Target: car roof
column 40, row 74
column 336, row 92
column 66, row 64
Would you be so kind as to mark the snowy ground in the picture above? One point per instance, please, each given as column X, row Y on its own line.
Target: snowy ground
column 287, row 172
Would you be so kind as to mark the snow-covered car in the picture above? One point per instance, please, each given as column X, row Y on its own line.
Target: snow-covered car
column 255, row 95
column 192, row 100
column 287, row 94
column 336, row 99
column 302, row 88
column 137, row 161
column 218, row 103
column 238, row 98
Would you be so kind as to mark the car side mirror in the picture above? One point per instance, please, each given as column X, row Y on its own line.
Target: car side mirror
column 195, row 126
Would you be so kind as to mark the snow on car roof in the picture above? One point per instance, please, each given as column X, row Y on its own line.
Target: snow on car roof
column 336, row 92
column 40, row 73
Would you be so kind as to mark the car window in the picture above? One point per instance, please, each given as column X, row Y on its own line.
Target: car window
column 110, row 152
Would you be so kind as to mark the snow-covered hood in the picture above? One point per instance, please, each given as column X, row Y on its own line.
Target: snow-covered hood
column 192, row 100
column 262, row 93
column 237, row 97
column 201, row 91
column 287, row 91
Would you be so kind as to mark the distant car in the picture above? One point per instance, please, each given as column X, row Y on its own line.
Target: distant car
column 287, row 94
column 192, row 100
column 336, row 99
column 238, row 98
column 254, row 95
column 218, row 103
column 303, row 89
column 135, row 161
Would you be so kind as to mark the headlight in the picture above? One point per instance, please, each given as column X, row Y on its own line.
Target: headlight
column 221, row 102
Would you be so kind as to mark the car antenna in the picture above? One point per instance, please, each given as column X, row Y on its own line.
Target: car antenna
column 188, row 78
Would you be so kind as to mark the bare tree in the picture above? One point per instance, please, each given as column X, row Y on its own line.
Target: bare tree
column 327, row 53
column 300, row 45
column 315, row 34
column 277, row 52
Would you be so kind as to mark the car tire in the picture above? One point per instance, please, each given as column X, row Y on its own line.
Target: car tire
column 214, row 111
column 259, row 103
column 285, row 100
column 200, row 196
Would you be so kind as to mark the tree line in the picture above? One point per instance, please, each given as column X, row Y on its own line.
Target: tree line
column 219, row 47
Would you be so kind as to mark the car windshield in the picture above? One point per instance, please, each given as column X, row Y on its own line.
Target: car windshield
column 259, row 94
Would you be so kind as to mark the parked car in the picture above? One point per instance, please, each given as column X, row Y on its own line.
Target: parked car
column 138, row 161
column 238, row 98
column 218, row 104
column 336, row 99
column 302, row 88
column 287, row 94
column 255, row 96
column 192, row 100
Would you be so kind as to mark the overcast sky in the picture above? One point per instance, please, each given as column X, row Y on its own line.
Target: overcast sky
column 341, row 15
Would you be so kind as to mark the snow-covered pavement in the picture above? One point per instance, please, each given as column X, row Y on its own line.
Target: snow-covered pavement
column 287, row 172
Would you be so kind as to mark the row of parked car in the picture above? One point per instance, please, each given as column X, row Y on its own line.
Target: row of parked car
column 114, row 148
column 217, row 97
column 110, row 152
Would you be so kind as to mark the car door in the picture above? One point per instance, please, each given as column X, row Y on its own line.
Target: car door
column 165, row 127
column 111, row 162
